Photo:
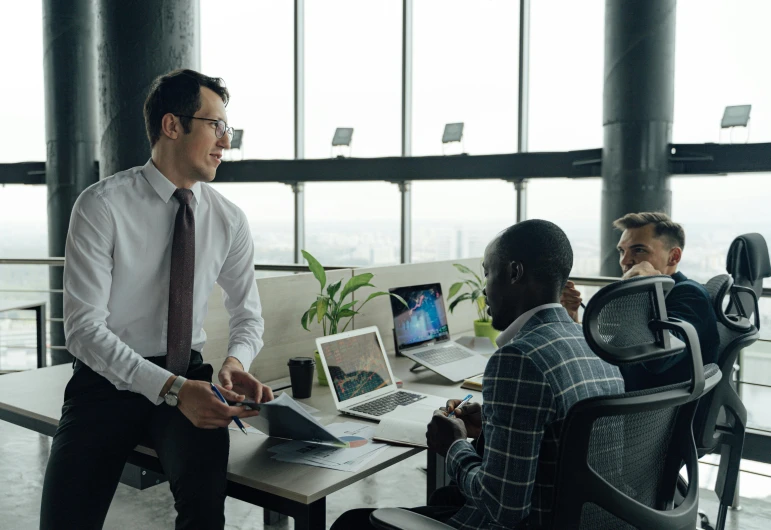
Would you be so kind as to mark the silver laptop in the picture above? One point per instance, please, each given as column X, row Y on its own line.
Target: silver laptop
column 422, row 334
column 360, row 376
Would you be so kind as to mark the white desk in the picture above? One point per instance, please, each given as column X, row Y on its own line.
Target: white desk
column 39, row 307
column 33, row 399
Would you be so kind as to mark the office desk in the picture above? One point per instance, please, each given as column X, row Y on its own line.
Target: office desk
column 33, row 399
column 39, row 308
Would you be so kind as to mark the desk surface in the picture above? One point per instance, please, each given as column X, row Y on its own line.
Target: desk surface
column 33, row 399
column 13, row 305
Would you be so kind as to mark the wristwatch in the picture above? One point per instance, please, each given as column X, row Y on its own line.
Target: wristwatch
column 172, row 396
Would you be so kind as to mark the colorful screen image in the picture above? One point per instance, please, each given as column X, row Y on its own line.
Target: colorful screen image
column 356, row 365
column 423, row 319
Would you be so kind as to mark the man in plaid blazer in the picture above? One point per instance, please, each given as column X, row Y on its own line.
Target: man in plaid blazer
column 543, row 367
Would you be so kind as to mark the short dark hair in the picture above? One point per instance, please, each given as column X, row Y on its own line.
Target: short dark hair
column 178, row 92
column 543, row 249
column 663, row 226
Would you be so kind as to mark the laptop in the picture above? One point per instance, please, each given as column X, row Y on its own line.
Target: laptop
column 422, row 334
column 360, row 375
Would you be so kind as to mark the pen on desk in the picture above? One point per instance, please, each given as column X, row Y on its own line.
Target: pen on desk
column 235, row 418
column 465, row 400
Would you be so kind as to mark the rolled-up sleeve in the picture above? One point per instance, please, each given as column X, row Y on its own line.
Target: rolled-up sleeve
column 87, row 283
column 242, row 300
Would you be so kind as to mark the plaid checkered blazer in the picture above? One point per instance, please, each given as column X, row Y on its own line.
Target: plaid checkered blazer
column 529, row 386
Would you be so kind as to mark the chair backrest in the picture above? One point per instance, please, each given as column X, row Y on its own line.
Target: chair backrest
column 748, row 263
column 620, row 456
column 736, row 333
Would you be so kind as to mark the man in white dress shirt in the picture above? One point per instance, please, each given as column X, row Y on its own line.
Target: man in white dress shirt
column 143, row 252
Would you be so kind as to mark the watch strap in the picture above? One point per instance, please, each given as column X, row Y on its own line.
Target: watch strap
column 177, row 385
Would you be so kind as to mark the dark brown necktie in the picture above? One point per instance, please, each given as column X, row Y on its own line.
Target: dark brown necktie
column 179, row 335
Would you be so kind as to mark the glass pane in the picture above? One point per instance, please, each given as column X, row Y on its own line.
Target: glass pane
column 353, row 75
column 574, row 205
column 270, row 210
column 713, row 211
column 566, row 72
column 353, row 223
column 457, row 219
column 465, row 69
column 25, row 209
column 23, row 132
column 251, row 46
column 721, row 49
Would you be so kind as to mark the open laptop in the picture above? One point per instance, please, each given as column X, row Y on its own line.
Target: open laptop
column 360, row 376
column 422, row 334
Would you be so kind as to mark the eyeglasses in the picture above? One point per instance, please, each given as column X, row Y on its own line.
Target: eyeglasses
column 219, row 130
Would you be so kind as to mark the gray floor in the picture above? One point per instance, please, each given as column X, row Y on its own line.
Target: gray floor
column 23, row 456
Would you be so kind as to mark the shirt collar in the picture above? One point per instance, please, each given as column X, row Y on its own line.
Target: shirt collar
column 163, row 186
column 679, row 277
column 509, row 333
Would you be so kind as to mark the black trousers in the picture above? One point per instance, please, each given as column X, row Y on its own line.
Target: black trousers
column 443, row 504
column 99, row 428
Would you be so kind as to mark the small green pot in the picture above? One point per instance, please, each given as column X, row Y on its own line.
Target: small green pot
column 485, row 329
column 320, row 369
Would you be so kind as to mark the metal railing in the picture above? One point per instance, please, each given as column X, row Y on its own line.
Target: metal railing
column 585, row 281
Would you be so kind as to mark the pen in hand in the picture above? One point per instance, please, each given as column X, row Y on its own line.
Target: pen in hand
column 221, row 398
column 465, row 400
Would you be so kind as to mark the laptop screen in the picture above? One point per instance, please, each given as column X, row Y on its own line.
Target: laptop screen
column 357, row 365
column 424, row 319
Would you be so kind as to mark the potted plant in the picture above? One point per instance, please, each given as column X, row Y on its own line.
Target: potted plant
column 483, row 326
column 330, row 308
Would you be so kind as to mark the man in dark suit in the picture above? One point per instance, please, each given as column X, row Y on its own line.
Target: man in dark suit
column 542, row 369
column 652, row 244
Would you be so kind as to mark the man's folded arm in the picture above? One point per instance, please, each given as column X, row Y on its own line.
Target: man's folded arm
column 517, row 408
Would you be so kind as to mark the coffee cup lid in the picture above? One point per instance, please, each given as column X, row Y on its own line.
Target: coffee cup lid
column 301, row 360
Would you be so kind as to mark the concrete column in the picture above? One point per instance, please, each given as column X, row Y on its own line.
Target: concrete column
column 69, row 69
column 138, row 41
column 638, row 107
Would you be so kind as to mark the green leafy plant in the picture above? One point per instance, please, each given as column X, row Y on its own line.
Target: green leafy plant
column 476, row 288
column 328, row 309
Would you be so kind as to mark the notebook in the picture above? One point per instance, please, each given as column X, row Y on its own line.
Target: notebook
column 473, row 383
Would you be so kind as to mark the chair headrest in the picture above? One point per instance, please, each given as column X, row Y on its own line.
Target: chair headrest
column 748, row 258
column 618, row 321
column 717, row 288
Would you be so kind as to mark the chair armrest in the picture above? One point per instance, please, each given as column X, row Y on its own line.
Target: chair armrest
column 401, row 519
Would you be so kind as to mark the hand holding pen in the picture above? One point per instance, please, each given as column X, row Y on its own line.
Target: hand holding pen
column 469, row 413
column 221, row 398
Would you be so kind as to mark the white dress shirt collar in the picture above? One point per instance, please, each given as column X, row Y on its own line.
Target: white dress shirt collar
column 163, row 186
column 509, row 333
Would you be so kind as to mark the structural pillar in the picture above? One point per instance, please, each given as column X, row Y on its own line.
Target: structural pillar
column 638, row 107
column 139, row 41
column 69, row 69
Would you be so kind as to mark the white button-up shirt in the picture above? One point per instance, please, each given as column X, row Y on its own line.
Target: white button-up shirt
column 117, row 269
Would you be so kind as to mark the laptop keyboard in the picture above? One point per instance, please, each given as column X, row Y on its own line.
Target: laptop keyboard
column 387, row 403
column 442, row 356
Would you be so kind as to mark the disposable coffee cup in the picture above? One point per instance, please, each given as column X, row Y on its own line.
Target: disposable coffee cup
column 301, row 370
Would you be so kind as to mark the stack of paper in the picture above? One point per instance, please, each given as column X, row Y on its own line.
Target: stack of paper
column 359, row 437
column 405, row 425
column 285, row 418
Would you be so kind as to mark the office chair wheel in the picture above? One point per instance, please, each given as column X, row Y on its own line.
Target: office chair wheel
column 704, row 522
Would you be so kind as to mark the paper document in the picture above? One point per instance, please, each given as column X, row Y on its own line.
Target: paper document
column 405, row 425
column 362, row 449
column 285, row 418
